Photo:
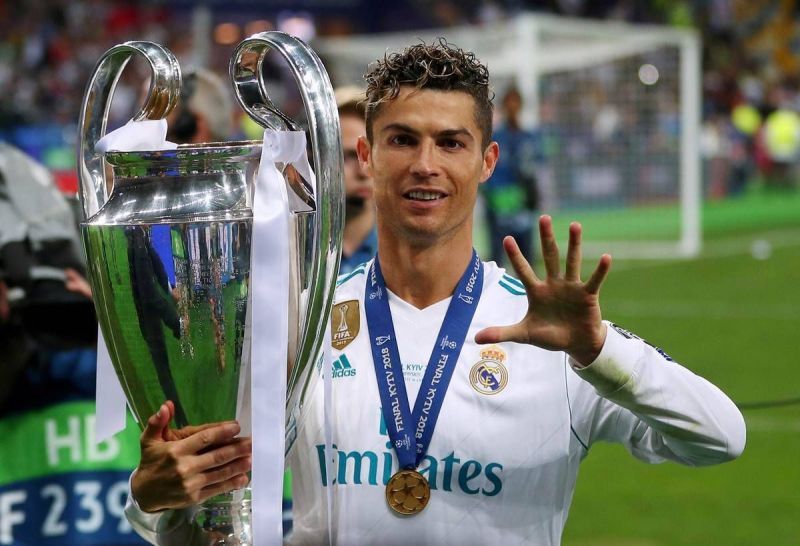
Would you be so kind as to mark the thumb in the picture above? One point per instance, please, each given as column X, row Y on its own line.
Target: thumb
column 499, row 334
column 156, row 425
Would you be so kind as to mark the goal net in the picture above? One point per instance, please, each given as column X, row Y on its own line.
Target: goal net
column 617, row 107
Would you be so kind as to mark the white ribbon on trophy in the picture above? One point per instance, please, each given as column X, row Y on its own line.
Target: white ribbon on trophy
column 110, row 400
column 270, row 306
column 269, row 284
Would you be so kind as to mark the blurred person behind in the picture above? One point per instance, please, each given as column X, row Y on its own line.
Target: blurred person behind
column 205, row 110
column 512, row 195
column 57, row 485
column 360, row 240
column 41, row 266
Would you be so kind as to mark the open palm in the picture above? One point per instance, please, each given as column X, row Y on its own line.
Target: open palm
column 563, row 311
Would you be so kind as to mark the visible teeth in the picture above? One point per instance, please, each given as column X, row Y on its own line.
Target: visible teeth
column 424, row 195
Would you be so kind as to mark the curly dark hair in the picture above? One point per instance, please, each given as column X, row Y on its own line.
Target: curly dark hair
column 440, row 65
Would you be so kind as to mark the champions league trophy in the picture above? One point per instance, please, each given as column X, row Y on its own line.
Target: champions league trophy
column 168, row 241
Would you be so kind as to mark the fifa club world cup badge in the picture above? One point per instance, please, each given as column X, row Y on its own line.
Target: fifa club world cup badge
column 345, row 323
column 489, row 375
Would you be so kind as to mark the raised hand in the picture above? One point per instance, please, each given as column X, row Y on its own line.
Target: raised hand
column 563, row 311
column 184, row 467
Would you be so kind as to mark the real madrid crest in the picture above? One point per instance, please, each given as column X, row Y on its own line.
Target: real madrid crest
column 345, row 323
column 489, row 375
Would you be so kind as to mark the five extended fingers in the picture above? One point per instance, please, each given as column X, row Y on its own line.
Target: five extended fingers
column 520, row 332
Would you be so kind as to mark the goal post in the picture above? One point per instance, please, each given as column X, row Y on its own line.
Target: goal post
column 617, row 107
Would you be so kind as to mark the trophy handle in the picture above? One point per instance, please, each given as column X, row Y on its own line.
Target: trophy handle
column 326, row 143
column 162, row 97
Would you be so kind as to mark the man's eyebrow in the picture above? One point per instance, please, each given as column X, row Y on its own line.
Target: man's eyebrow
column 456, row 132
column 400, row 127
column 461, row 131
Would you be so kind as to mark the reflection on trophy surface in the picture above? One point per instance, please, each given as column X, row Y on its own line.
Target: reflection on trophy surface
column 169, row 250
column 187, row 287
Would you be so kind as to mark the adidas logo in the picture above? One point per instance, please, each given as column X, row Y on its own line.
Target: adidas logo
column 343, row 368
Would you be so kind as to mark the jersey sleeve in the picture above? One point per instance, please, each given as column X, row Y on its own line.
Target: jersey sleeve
column 634, row 394
column 166, row 528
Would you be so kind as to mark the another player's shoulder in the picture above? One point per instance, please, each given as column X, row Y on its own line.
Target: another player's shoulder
column 501, row 283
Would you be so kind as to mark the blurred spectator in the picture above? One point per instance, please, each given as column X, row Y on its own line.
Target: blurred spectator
column 205, row 110
column 512, row 195
column 360, row 241
column 48, row 48
column 778, row 144
column 57, row 486
column 38, row 242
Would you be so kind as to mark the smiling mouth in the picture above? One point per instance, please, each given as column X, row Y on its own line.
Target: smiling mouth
column 424, row 195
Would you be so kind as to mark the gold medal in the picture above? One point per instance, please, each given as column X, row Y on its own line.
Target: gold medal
column 408, row 492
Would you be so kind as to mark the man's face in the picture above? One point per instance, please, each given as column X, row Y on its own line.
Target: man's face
column 357, row 183
column 512, row 104
column 427, row 161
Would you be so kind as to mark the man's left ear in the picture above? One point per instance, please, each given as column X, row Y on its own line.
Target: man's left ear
column 490, row 157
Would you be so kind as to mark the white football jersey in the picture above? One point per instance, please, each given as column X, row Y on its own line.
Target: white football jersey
column 515, row 423
column 514, row 426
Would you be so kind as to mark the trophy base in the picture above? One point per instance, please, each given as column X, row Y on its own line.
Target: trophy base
column 225, row 519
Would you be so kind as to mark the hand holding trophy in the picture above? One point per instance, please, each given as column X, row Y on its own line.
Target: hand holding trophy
column 182, row 263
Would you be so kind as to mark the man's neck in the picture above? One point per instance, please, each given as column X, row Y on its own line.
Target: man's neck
column 423, row 274
column 356, row 230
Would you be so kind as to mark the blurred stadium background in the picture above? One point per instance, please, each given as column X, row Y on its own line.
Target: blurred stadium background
column 669, row 125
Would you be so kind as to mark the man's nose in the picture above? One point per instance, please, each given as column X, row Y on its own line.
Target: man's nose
column 424, row 164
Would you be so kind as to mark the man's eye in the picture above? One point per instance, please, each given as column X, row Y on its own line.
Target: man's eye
column 452, row 143
column 401, row 140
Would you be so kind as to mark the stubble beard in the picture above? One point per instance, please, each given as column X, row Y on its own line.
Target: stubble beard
column 425, row 235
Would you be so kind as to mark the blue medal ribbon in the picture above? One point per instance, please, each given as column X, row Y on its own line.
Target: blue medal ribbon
column 409, row 443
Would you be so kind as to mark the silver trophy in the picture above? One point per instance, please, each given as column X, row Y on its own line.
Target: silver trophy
column 168, row 235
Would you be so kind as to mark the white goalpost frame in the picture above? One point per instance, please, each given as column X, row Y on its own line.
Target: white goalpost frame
column 515, row 49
